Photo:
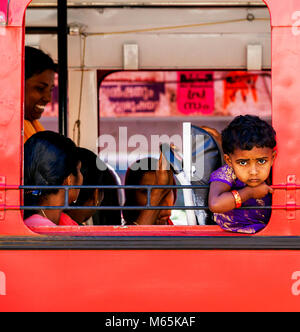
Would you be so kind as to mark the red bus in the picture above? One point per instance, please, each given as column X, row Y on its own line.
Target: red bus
column 151, row 268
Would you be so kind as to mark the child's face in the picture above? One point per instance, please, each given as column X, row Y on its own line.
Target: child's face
column 251, row 167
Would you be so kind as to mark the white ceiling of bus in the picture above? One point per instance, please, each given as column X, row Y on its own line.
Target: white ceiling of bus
column 195, row 38
column 148, row 2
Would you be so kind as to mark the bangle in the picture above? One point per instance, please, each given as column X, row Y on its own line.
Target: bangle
column 237, row 198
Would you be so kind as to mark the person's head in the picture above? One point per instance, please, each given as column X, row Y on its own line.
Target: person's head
column 50, row 159
column 39, row 82
column 92, row 176
column 249, row 148
column 142, row 172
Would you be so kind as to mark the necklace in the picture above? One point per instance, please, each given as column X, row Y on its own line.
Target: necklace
column 44, row 214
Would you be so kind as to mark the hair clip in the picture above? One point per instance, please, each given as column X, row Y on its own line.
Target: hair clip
column 36, row 193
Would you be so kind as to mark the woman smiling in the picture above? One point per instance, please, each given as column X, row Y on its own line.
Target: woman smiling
column 39, row 82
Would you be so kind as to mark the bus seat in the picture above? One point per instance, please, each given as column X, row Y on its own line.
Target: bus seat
column 207, row 156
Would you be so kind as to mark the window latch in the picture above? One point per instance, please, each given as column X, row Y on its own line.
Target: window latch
column 2, row 196
column 291, row 197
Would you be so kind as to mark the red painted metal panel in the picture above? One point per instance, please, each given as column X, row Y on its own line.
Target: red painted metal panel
column 283, row 12
column 11, row 110
column 150, row 281
column 134, row 231
column 285, row 112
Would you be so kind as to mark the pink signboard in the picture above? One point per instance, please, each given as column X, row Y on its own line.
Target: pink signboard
column 3, row 11
column 185, row 93
column 195, row 92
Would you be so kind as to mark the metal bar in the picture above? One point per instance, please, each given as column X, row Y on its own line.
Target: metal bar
column 149, row 4
column 15, row 187
column 178, row 186
column 62, row 45
column 148, row 197
column 14, row 207
column 2, row 197
column 288, row 186
column 66, row 198
column 288, row 207
column 182, row 207
column 41, row 30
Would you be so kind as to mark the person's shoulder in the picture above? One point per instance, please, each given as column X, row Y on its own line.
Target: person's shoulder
column 224, row 174
column 38, row 220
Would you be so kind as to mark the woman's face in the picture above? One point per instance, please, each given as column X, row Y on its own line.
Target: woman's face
column 81, row 216
column 149, row 178
column 75, row 181
column 38, row 90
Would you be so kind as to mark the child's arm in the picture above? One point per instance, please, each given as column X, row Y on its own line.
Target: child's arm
column 221, row 199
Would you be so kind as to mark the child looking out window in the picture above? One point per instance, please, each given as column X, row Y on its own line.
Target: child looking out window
column 249, row 151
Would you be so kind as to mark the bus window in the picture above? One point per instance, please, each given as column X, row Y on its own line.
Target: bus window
column 194, row 80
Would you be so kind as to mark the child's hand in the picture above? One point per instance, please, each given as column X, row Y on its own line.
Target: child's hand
column 261, row 191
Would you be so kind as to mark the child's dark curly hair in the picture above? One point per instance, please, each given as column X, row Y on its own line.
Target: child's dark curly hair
column 246, row 132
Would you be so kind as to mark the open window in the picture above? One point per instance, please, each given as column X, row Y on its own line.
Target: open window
column 139, row 86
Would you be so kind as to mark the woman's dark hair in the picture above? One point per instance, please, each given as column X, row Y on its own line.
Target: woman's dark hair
column 92, row 175
column 49, row 158
column 111, row 198
column 246, row 132
column 133, row 177
column 36, row 62
column 96, row 173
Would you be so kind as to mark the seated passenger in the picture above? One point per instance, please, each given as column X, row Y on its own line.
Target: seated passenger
column 50, row 159
column 249, row 151
column 39, row 82
column 95, row 172
column 149, row 171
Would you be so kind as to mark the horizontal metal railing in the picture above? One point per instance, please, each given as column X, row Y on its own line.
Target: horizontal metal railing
column 148, row 206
